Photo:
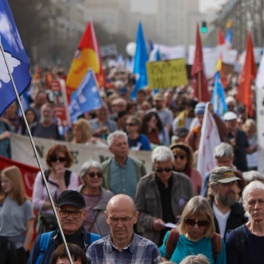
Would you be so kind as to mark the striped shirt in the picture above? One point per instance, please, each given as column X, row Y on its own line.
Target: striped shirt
column 141, row 250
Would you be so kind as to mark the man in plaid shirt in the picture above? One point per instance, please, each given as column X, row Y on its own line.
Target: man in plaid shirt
column 122, row 246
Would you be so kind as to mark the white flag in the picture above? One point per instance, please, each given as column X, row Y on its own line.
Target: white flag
column 209, row 140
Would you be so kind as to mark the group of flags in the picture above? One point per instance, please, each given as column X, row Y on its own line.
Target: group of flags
column 86, row 74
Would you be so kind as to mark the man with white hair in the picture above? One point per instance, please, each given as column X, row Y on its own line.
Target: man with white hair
column 161, row 195
column 121, row 172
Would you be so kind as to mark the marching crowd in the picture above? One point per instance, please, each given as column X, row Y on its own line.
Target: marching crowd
column 116, row 211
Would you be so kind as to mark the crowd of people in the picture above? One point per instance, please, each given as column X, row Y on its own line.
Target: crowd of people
column 117, row 211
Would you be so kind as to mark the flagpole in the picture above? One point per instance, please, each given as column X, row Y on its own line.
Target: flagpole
column 199, row 84
column 36, row 154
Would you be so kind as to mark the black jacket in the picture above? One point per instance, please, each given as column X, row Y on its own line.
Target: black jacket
column 235, row 219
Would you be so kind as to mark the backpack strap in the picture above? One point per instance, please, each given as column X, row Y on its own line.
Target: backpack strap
column 172, row 241
column 67, row 178
column 43, row 245
column 240, row 240
column 216, row 241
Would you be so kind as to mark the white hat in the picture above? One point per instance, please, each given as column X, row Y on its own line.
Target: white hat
column 230, row 116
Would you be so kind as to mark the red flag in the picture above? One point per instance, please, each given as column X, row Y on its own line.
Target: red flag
column 87, row 56
column 221, row 38
column 201, row 86
column 248, row 74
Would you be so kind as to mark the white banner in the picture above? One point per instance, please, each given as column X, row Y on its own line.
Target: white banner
column 260, row 75
column 209, row 140
column 22, row 151
column 260, row 127
column 170, row 53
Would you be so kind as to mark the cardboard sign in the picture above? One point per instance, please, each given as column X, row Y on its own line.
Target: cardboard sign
column 166, row 74
column 60, row 103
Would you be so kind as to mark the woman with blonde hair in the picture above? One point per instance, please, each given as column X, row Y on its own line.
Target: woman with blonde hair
column 199, row 259
column 82, row 134
column 195, row 235
column 16, row 218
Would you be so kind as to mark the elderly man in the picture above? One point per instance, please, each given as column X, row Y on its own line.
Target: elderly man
column 224, row 156
column 228, row 213
column 71, row 211
column 122, row 245
column 161, row 195
column 121, row 172
column 46, row 128
column 102, row 125
column 238, row 139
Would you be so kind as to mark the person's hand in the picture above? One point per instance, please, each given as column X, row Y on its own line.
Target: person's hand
column 255, row 148
column 211, row 108
column 158, row 224
column 233, row 141
column 60, row 171
column 104, row 130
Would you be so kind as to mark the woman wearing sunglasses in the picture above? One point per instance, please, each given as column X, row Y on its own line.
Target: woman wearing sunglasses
column 95, row 196
column 136, row 141
column 183, row 161
column 196, row 235
column 59, row 179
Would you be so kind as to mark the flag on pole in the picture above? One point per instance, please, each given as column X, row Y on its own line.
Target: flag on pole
column 16, row 58
column 201, row 86
column 218, row 97
column 86, row 98
column 209, row 140
column 87, row 56
column 141, row 58
column 229, row 34
column 248, row 74
column 220, row 36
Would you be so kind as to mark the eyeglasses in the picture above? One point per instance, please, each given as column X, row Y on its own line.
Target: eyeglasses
column 192, row 222
column 131, row 124
column 93, row 174
column 180, row 157
column 163, row 169
column 65, row 214
column 55, row 159
column 124, row 220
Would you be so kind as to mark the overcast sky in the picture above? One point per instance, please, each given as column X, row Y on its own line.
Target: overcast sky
column 211, row 4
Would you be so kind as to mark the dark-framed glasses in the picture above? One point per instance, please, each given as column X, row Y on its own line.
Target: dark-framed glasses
column 163, row 169
column 124, row 220
column 192, row 222
column 93, row 174
column 56, row 159
column 65, row 213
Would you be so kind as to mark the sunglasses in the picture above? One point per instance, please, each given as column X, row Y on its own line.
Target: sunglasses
column 93, row 174
column 131, row 124
column 60, row 159
column 163, row 169
column 192, row 222
column 180, row 157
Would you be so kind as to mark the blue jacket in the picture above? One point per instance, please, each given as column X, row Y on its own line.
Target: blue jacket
column 53, row 244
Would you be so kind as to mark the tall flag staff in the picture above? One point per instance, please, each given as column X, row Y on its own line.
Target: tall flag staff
column 15, row 52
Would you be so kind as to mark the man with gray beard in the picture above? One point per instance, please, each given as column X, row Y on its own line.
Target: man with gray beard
column 228, row 213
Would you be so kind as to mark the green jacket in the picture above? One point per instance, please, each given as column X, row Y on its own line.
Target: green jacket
column 140, row 168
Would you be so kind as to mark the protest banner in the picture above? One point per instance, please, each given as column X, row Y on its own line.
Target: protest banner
column 22, row 152
column 170, row 52
column 166, row 74
column 209, row 140
column 260, row 128
column 28, row 172
column 60, row 103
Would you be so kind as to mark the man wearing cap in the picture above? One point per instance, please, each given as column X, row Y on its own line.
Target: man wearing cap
column 238, row 139
column 185, row 118
column 228, row 213
column 71, row 210
column 194, row 136
column 123, row 245
column 165, row 114
column 180, row 135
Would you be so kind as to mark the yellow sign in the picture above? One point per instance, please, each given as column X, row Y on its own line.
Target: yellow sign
column 166, row 74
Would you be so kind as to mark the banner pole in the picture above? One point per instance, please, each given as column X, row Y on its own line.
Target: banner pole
column 36, row 153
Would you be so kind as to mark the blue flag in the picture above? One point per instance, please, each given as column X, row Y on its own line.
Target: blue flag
column 229, row 37
column 141, row 58
column 16, row 58
column 218, row 97
column 86, row 98
column 155, row 56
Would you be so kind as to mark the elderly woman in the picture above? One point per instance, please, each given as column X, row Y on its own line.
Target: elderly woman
column 245, row 244
column 59, row 179
column 199, row 259
column 196, row 235
column 253, row 175
column 95, row 196
column 183, row 160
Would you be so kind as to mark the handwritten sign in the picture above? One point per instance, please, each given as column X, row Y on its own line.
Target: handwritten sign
column 166, row 74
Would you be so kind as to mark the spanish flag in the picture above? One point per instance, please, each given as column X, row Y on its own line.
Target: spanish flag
column 87, row 56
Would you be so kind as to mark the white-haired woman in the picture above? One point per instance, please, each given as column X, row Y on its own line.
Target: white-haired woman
column 245, row 244
column 95, row 196
column 199, row 259
column 253, row 175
